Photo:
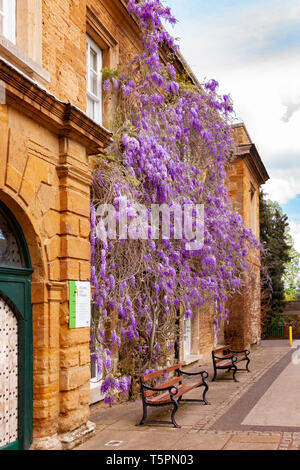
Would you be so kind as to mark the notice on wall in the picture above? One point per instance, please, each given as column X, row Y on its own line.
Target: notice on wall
column 79, row 304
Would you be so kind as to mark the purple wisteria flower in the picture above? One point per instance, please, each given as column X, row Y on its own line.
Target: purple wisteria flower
column 106, row 85
column 154, row 150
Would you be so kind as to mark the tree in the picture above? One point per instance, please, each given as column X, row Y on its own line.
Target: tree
column 276, row 256
column 292, row 271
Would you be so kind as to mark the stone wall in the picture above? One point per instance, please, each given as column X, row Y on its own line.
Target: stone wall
column 244, row 327
column 65, row 25
column 45, row 176
column 45, row 183
column 292, row 306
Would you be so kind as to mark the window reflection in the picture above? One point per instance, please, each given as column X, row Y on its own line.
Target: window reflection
column 10, row 253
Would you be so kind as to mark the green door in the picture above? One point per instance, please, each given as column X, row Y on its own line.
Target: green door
column 15, row 336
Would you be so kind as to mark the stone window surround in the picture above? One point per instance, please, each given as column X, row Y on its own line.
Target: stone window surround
column 96, row 30
column 26, row 52
column 103, row 38
column 8, row 14
column 16, row 57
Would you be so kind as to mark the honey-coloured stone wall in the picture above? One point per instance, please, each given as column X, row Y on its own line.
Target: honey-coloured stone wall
column 45, row 182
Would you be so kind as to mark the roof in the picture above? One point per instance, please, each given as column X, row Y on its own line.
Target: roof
column 245, row 148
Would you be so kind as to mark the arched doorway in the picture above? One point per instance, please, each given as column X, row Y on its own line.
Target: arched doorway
column 15, row 335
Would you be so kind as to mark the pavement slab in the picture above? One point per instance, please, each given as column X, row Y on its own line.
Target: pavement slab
column 280, row 405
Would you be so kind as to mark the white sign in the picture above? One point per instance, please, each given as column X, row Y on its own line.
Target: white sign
column 79, row 304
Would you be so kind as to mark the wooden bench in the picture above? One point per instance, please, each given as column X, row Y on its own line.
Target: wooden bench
column 169, row 392
column 228, row 361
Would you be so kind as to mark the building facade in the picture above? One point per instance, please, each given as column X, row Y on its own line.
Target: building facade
column 53, row 119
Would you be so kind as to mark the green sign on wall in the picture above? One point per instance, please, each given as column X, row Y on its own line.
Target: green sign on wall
column 79, row 304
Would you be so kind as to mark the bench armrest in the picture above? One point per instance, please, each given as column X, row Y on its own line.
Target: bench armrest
column 165, row 389
column 223, row 358
column 202, row 373
column 245, row 351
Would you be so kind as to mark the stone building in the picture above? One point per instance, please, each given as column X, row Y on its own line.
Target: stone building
column 52, row 120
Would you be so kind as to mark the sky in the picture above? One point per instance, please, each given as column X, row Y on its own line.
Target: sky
column 252, row 48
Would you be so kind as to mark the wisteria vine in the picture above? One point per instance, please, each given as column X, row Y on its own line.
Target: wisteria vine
column 171, row 144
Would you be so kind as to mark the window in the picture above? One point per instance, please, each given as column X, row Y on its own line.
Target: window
column 187, row 338
column 8, row 19
column 94, row 81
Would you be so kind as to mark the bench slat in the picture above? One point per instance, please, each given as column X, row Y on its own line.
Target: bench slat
column 174, row 381
column 158, row 373
column 240, row 359
column 226, row 356
column 224, row 364
column 165, row 397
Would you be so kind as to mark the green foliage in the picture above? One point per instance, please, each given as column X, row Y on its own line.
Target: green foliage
column 277, row 254
column 292, row 272
column 110, row 73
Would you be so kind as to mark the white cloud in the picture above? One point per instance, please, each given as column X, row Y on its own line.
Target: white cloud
column 257, row 90
column 239, row 47
column 292, row 108
column 295, row 233
column 282, row 189
column 225, row 34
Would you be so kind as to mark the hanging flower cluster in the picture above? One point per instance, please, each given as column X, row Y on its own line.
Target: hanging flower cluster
column 171, row 145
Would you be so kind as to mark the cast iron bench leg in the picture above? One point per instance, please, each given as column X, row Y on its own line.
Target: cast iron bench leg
column 234, row 372
column 144, row 418
column 173, row 413
column 205, row 391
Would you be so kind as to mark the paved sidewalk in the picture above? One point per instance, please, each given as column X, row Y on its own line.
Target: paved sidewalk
column 253, row 414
